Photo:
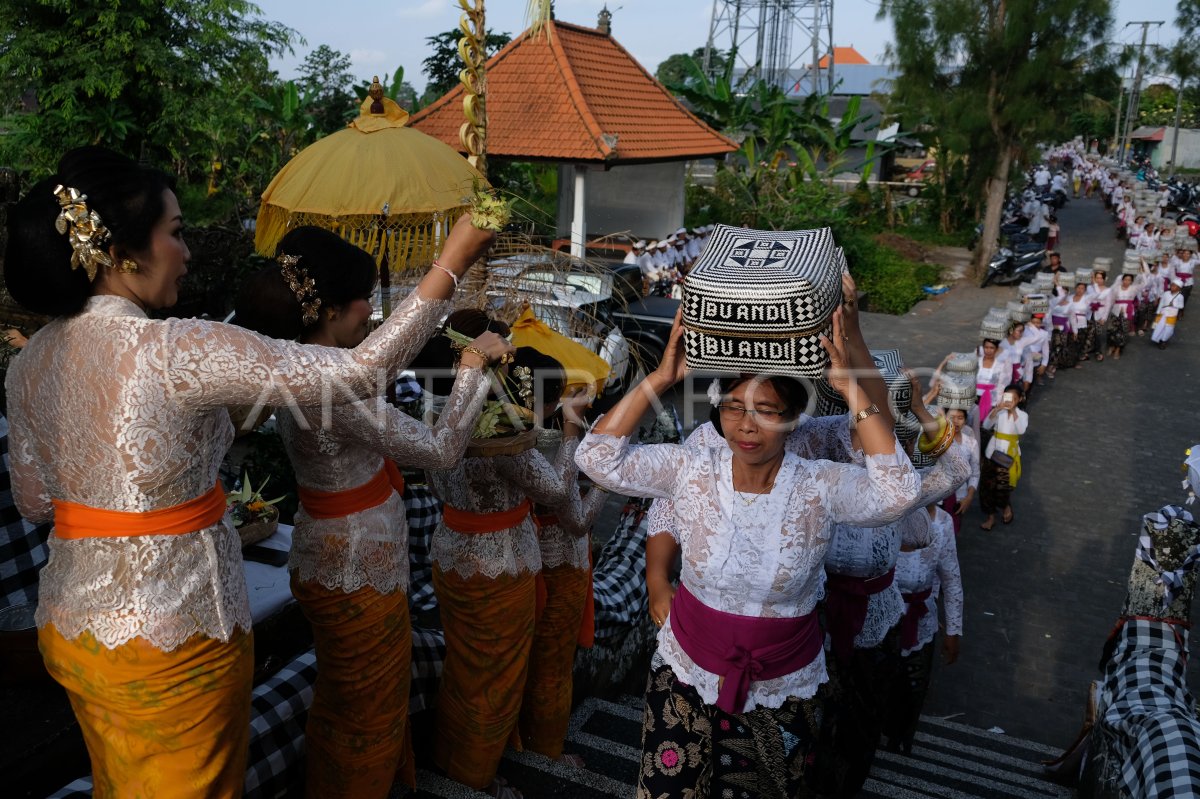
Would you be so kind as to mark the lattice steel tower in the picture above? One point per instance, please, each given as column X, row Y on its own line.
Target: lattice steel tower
column 782, row 41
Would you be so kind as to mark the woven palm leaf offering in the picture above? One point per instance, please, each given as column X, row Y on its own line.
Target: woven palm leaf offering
column 254, row 517
column 758, row 301
column 503, row 427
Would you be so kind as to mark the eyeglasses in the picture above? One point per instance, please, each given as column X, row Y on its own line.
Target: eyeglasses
column 735, row 413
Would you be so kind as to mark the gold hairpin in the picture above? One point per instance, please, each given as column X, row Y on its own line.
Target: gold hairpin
column 83, row 228
column 303, row 286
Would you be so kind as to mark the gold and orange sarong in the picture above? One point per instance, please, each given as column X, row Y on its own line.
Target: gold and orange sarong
column 357, row 733
column 546, row 708
column 159, row 725
column 489, row 631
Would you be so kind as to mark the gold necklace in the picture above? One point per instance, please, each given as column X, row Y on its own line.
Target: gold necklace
column 741, row 495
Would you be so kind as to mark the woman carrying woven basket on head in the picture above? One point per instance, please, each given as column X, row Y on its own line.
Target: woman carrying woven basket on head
column 753, row 522
column 143, row 614
column 486, row 559
column 349, row 558
column 994, row 372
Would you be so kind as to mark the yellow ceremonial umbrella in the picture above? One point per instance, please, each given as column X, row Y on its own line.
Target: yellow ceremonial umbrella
column 583, row 367
column 387, row 188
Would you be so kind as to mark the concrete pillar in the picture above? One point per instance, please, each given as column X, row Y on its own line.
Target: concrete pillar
column 579, row 217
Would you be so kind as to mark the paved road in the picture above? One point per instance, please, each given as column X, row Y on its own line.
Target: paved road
column 1104, row 446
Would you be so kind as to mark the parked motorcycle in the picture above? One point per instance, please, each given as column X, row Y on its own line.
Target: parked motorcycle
column 1008, row 267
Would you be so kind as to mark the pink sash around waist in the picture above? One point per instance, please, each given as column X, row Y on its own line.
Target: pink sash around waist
column 915, row 608
column 985, row 398
column 742, row 649
column 847, row 601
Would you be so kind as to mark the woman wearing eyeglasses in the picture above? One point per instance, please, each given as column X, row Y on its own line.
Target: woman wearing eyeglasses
column 754, row 522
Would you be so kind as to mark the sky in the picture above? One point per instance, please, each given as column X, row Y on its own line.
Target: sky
column 380, row 35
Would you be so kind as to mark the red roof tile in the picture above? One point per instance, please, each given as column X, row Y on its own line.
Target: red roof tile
column 574, row 94
column 843, row 55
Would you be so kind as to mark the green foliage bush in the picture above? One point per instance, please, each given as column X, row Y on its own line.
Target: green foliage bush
column 785, row 200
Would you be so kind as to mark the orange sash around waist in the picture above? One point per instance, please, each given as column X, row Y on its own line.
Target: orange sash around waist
column 336, row 504
column 465, row 521
column 73, row 521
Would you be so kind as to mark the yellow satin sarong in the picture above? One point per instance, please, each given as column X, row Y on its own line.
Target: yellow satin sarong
column 159, row 725
column 356, row 736
column 546, row 709
column 489, row 631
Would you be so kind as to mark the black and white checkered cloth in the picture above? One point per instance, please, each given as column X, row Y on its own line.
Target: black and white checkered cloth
column 1149, row 736
column 278, row 711
column 279, row 708
column 424, row 512
column 23, row 549
column 428, row 657
column 619, row 574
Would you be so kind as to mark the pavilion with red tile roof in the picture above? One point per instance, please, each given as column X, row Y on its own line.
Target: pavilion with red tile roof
column 573, row 95
column 841, row 56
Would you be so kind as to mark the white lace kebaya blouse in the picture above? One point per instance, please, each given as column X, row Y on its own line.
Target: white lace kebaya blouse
column 567, row 542
column 820, row 438
column 935, row 567
column 369, row 548
column 485, row 485
column 113, row 410
column 761, row 557
column 866, row 552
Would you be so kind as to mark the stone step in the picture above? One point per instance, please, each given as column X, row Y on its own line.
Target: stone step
column 949, row 761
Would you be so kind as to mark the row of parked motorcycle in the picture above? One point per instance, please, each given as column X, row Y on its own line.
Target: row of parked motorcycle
column 1182, row 196
column 1020, row 254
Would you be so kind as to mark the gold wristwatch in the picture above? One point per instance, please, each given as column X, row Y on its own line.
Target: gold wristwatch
column 866, row 413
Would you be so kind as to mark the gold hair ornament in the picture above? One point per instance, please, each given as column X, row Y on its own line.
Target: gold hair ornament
column 85, row 231
column 303, row 286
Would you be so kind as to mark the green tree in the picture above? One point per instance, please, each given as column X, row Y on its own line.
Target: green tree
column 992, row 77
column 140, row 76
column 325, row 80
column 443, row 64
column 1181, row 61
column 676, row 70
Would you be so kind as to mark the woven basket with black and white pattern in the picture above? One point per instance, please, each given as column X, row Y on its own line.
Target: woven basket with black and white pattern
column 757, row 302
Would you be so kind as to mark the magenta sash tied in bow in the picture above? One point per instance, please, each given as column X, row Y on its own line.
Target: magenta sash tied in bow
column 1130, row 307
column 742, row 649
column 846, row 600
column 914, row 609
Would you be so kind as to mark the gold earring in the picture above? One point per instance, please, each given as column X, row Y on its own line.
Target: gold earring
column 128, row 266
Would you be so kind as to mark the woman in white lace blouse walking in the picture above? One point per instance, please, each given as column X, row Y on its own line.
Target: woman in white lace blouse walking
column 754, row 522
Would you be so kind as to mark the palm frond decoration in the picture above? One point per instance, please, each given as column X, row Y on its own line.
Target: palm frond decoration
column 538, row 13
